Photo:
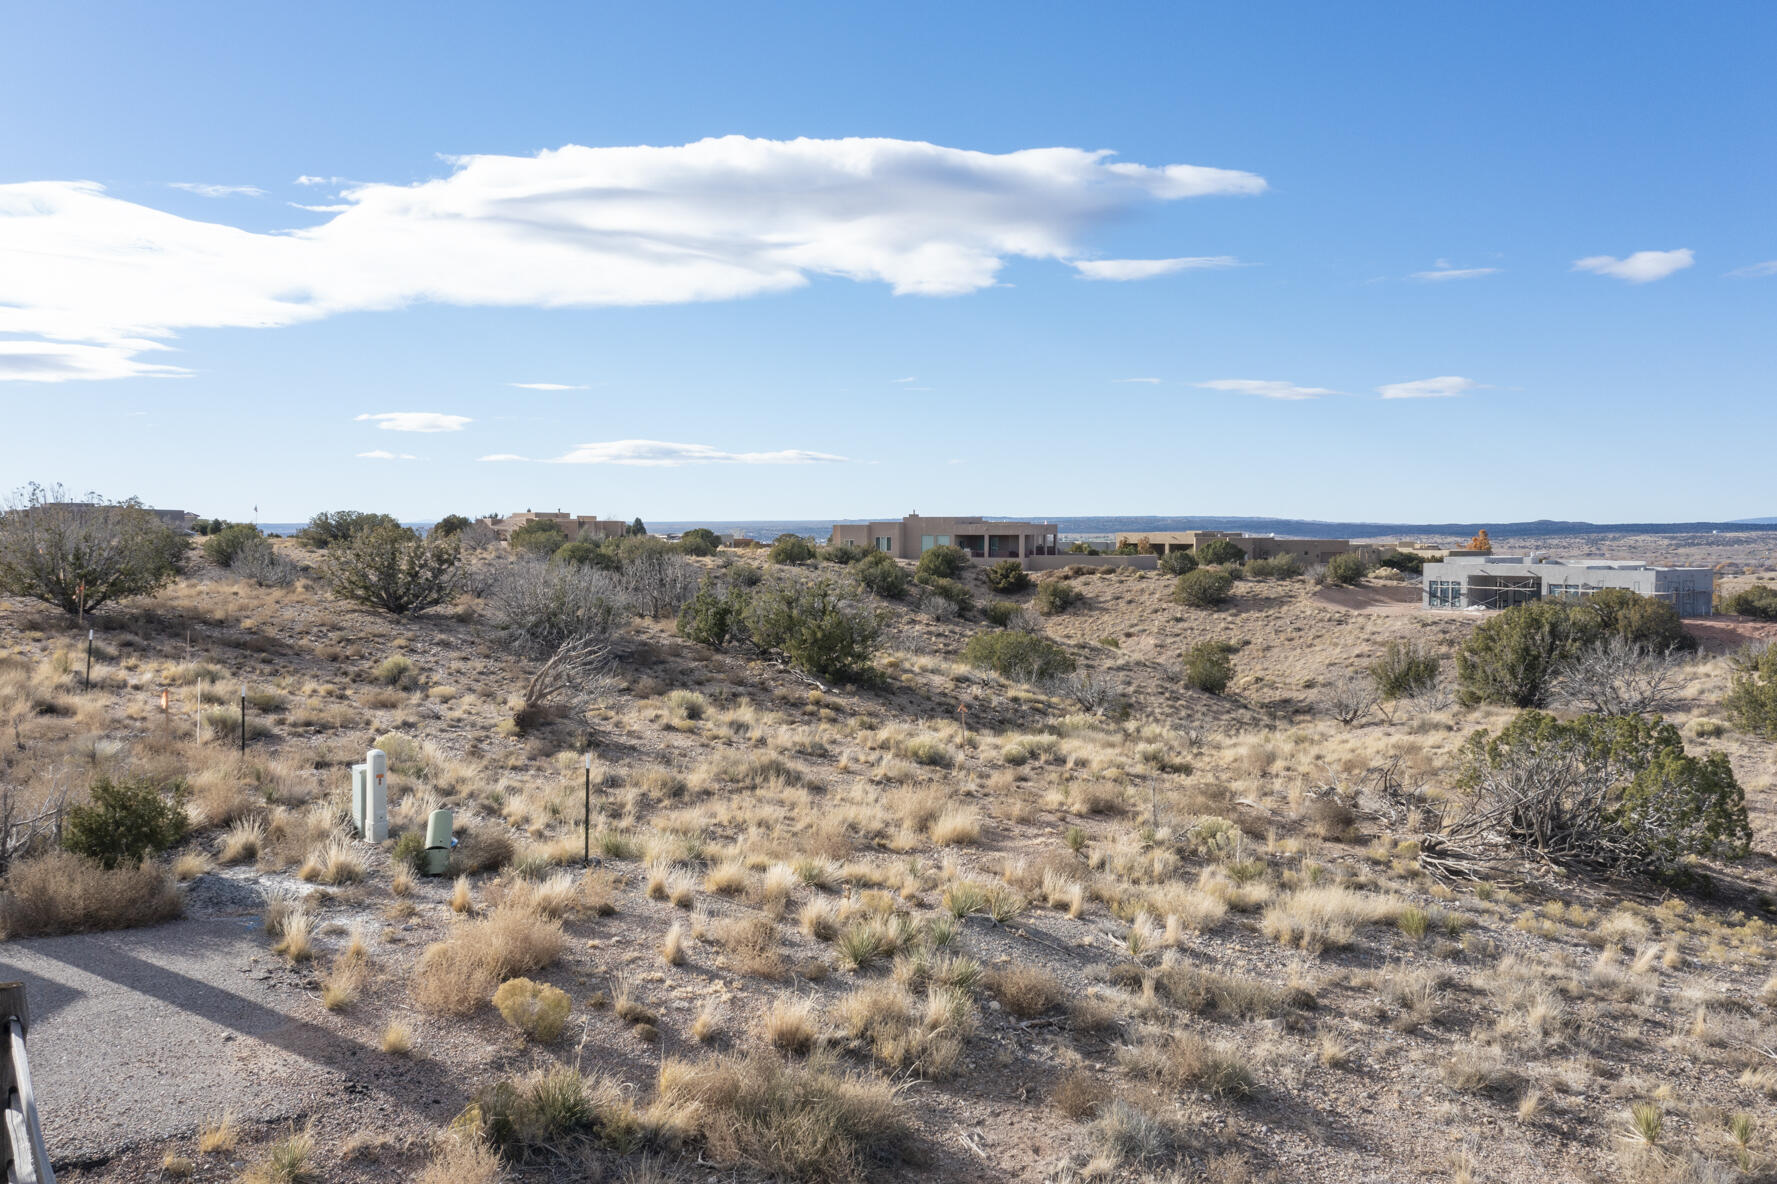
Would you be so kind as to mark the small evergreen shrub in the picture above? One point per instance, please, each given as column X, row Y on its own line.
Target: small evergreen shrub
column 790, row 548
column 999, row 613
column 1219, row 551
column 1281, row 567
column 845, row 554
column 1056, row 596
column 1405, row 668
column 941, row 563
column 538, row 1010
column 1007, row 576
column 1348, row 568
column 955, row 591
column 1209, row 666
column 1203, row 588
column 880, row 574
column 1751, row 701
column 1759, row 601
column 577, row 554
column 126, row 820
column 1022, row 656
column 225, row 546
column 1177, row 563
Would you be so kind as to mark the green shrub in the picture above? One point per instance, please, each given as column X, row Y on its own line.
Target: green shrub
column 712, row 616
column 1209, row 666
column 223, row 547
column 955, row 591
column 999, row 613
column 409, row 850
column 450, row 524
column 1752, row 699
column 80, row 555
column 126, row 820
column 1022, row 656
column 1006, row 576
column 1605, row 792
column 817, row 628
column 540, row 537
column 578, row 554
column 1177, row 563
column 1405, row 668
column 1512, row 658
column 1056, row 596
column 700, row 541
column 1401, row 561
column 790, row 548
column 879, row 573
column 845, row 554
column 1219, row 551
column 941, row 563
column 1348, row 568
column 1205, row 587
column 1281, row 567
column 1759, row 601
column 393, row 569
column 327, row 529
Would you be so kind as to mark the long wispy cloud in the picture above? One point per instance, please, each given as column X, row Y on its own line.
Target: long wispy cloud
column 546, row 386
column 1640, row 268
column 719, row 219
column 1147, row 269
column 203, row 190
column 1442, row 270
column 385, row 454
column 1756, row 270
column 1266, row 388
column 416, row 421
column 665, row 454
column 1446, row 387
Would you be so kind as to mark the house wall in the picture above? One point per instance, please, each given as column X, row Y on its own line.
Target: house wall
column 907, row 539
column 1691, row 590
column 1256, row 546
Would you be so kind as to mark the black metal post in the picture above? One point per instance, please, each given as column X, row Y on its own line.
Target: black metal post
column 243, row 719
column 586, row 831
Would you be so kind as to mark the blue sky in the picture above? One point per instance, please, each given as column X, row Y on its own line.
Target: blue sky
column 915, row 319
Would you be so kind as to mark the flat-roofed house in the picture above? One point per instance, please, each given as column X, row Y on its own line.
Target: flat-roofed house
column 987, row 540
column 575, row 528
column 1256, row 546
column 1482, row 580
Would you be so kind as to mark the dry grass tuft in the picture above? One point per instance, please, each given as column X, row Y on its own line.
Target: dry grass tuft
column 790, row 1025
column 1025, row 991
column 537, row 1009
column 804, row 1121
column 65, row 893
column 457, row 976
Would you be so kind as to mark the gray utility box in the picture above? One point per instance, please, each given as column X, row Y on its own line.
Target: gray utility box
column 370, row 796
column 435, row 860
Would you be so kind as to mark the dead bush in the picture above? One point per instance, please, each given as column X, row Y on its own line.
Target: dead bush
column 1025, row 991
column 65, row 893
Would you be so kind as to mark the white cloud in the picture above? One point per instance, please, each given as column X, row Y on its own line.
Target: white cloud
column 720, row 219
column 545, row 386
column 1446, row 387
column 1443, row 271
column 905, row 380
column 1267, row 388
column 1639, row 268
column 416, row 421
column 305, row 179
column 1147, row 269
column 664, row 454
column 382, row 454
column 203, row 190
column 503, row 456
column 1756, row 270
column 61, row 361
column 1135, row 380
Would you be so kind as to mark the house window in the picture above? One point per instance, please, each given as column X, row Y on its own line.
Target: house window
column 925, row 543
column 884, row 543
column 943, row 540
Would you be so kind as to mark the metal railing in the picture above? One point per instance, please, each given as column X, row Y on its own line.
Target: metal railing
column 21, row 1148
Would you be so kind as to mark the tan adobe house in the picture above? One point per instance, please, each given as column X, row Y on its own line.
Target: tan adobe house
column 576, row 528
column 1256, row 546
column 914, row 535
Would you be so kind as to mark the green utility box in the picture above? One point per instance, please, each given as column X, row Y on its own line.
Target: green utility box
column 435, row 860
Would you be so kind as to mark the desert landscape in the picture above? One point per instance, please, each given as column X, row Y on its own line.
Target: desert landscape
column 1106, row 913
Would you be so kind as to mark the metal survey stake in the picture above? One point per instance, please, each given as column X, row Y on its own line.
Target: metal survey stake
column 586, row 830
column 89, row 659
column 243, row 717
